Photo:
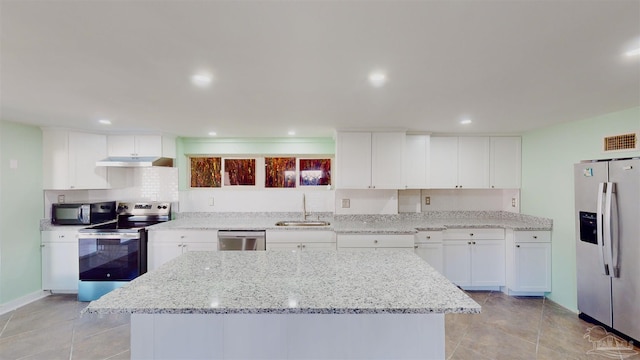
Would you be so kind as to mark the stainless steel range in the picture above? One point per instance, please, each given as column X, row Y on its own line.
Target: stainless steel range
column 114, row 253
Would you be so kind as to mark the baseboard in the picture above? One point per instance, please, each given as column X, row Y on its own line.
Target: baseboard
column 22, row 301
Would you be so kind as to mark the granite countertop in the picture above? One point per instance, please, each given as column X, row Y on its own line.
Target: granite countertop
column 284, row 282
column 408, row 223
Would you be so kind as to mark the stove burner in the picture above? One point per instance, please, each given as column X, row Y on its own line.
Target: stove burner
column 133, row 217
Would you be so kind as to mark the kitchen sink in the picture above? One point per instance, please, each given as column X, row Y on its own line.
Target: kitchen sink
column 303, row 223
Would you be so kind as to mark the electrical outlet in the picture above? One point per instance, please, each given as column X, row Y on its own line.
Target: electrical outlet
column 61, row 199
column 211, row 201
column 427, row 200
column 346, row 203
column 513, row 202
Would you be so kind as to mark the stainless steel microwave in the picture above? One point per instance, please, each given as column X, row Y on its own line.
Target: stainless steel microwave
column 84, row 213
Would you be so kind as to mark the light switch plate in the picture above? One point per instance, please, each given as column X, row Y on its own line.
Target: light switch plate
column 346, row 203
column 61, row 199
column 513, row 202
column 211, row 201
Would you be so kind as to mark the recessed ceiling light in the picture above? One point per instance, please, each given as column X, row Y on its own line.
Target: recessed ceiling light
column 212, row 133
column 202, row 79
column 291, row 132
column 465, row 121
column 377, row 78
column 105, row 121
column 634, row 52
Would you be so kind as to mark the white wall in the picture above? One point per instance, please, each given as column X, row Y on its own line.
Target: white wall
column 146, row 184
column 256, row 200
column 374, row 201
column 459, row 199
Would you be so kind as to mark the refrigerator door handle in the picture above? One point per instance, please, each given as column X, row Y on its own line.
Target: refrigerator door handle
column 610, row 230
column 599, row 226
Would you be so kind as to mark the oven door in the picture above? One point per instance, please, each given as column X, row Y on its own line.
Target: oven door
column 109, row 257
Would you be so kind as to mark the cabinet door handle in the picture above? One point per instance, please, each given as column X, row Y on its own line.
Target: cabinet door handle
column 375, row 241
column 535, row 237
column 471, row 234
column 298, row 246
column 473, row 242
column 469, row 242
column 41, row 245
column 517, row 246
column 428, row 237
column 304, row 246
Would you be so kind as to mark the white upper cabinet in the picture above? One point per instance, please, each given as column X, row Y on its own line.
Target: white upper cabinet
column 459, row 162
column 505, row 162
column 353, row 160
column 387, row 160
column 473, row 162
column 69, row 160
column 141, row 145
column 444, row 163
column 368, row 160
column 417, row 161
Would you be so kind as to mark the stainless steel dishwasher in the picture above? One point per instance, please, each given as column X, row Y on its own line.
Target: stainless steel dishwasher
column 241, row 240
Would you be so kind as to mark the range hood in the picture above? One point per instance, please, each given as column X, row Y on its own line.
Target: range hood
column 135, row 161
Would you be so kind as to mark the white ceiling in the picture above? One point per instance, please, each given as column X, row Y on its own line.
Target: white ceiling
column 511, row 66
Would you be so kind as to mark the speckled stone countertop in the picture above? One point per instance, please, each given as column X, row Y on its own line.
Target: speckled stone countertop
column 46, row 225
column 408, row 223
column 285, row 282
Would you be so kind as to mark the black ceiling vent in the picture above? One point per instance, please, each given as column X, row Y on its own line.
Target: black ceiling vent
column 623, row 142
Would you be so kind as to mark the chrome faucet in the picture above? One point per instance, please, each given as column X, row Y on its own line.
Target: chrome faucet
column 304, row 207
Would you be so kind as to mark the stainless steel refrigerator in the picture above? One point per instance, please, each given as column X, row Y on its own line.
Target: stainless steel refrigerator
column 608, row 243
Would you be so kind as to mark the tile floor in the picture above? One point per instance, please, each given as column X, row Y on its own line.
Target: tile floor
column 507, row 328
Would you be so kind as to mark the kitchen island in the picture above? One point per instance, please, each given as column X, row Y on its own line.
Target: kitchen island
column 288, row 305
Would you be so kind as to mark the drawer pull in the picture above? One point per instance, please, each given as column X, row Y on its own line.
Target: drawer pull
column 517, row 246
column 428, row 237
column 469, row 242
column 473, row 242
column 535, row 237
column 471, row 234
column 375, row 241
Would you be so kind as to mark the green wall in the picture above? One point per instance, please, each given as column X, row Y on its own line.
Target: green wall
column 548, row 156
column 21, row 201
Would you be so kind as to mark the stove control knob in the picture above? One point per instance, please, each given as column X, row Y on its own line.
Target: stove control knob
column 164, row 206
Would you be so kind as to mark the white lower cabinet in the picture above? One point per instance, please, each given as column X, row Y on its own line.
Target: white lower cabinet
column 375, row 241
column 165, row 245
column 300, row 240
column 60, row 266
column 475, row 258
column 428, row 245
column 529, row 262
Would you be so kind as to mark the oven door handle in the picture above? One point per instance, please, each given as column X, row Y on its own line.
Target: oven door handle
column 108, row 236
